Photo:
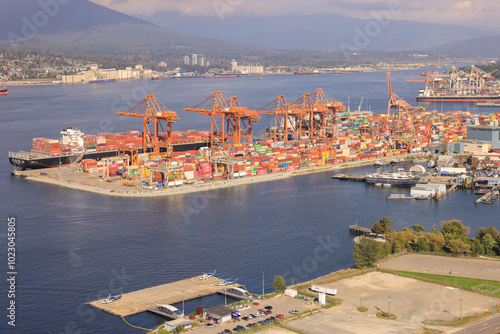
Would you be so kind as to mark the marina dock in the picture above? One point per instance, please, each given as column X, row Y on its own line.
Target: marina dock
column 171, row 293
column 490, row 197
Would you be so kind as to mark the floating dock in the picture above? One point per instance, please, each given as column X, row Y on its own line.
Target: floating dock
column 140, row 301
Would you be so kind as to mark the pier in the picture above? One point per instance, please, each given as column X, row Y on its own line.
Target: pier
column 171, row 293
column 490, row 196
column 359, row 230
column 450, row 190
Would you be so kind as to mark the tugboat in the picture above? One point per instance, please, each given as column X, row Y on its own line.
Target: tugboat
column 3, row 91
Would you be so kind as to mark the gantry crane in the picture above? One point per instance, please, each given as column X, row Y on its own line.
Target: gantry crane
column 402, row 119
column 236, row 120
column 287, row 116
column 153, row 112
column 322, row 111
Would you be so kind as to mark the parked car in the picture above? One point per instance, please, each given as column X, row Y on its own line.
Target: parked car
column 227, row 331
column 268, row 307
column 239, row 328
column 294, row 311
column 280, row 316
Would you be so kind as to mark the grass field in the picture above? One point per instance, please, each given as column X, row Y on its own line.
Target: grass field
column 487, row 287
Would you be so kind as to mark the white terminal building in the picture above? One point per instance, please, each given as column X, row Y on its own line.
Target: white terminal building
column 246, row 69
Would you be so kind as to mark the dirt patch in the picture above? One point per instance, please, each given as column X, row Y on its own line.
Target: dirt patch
column 442, row 265
column 412, row 302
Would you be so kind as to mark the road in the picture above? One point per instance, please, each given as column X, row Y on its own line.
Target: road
column 490, row 326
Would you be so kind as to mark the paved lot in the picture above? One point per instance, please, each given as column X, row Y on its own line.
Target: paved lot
column 281, row 304
column 442, row 265
column 488, row 326
column 412, row 302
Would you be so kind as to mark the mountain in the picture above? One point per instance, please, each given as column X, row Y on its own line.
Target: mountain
column 318, row 32
column 83, row 28
column 75, row 15
column 486, row 46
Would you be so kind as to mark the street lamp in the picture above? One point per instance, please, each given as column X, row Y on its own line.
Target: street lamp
column 460, row 308
column 389, row 300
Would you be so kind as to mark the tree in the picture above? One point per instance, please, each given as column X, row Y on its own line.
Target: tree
column 454, row 230
column 199, row 310
column 434, row 229
column 476, row 247
column 400, row 240
column 279, row 284
column 366, row 253
column 386, row 223
column 487, row 230
column 417, row 228
column 420, row 245
column 458, row 247
column 435, row 242
column 378, row 228
column 383, row 226
column 488, row 242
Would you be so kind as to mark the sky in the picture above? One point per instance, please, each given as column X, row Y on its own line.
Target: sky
column 473, row 12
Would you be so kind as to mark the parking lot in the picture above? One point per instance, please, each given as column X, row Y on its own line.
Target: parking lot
column 280, row 305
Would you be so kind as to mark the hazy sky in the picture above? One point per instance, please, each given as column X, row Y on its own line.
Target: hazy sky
column 480, row 12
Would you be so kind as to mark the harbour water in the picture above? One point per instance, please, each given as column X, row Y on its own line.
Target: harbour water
column 74, row 247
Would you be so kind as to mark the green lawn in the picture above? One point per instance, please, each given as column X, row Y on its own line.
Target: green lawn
column 491, row 288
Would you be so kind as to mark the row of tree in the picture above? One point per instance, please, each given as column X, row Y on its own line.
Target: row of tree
column 452, row 238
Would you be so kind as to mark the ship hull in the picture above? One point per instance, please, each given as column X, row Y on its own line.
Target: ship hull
column 102, row 81
column 3, row 91
column 399, row 182
column 478, row 98
column 23, row 161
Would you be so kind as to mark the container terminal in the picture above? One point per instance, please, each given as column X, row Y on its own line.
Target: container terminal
column 313, row 132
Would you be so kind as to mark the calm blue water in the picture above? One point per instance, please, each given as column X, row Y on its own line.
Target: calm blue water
column 74, row 247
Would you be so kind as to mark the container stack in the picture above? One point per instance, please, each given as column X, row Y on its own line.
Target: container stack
column 45, row 145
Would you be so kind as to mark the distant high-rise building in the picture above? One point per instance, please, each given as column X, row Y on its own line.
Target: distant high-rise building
column 186, row 60
column 194, row 59
column 201, row 61
column 234, row 65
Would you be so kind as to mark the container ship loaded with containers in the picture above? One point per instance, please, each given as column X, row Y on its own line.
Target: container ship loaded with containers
column 458, row 86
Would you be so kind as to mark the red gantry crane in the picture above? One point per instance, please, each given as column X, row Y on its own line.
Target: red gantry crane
column 287, row 117
column 153, row 112
column 402, row 119
column 236, row 120
column 321, row 109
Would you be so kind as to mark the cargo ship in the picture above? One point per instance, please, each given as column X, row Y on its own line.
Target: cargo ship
column 305, row 72
column 228, row 75
column 101, row 80
column 3, row 91
column 72, row 148
column 459, row 86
